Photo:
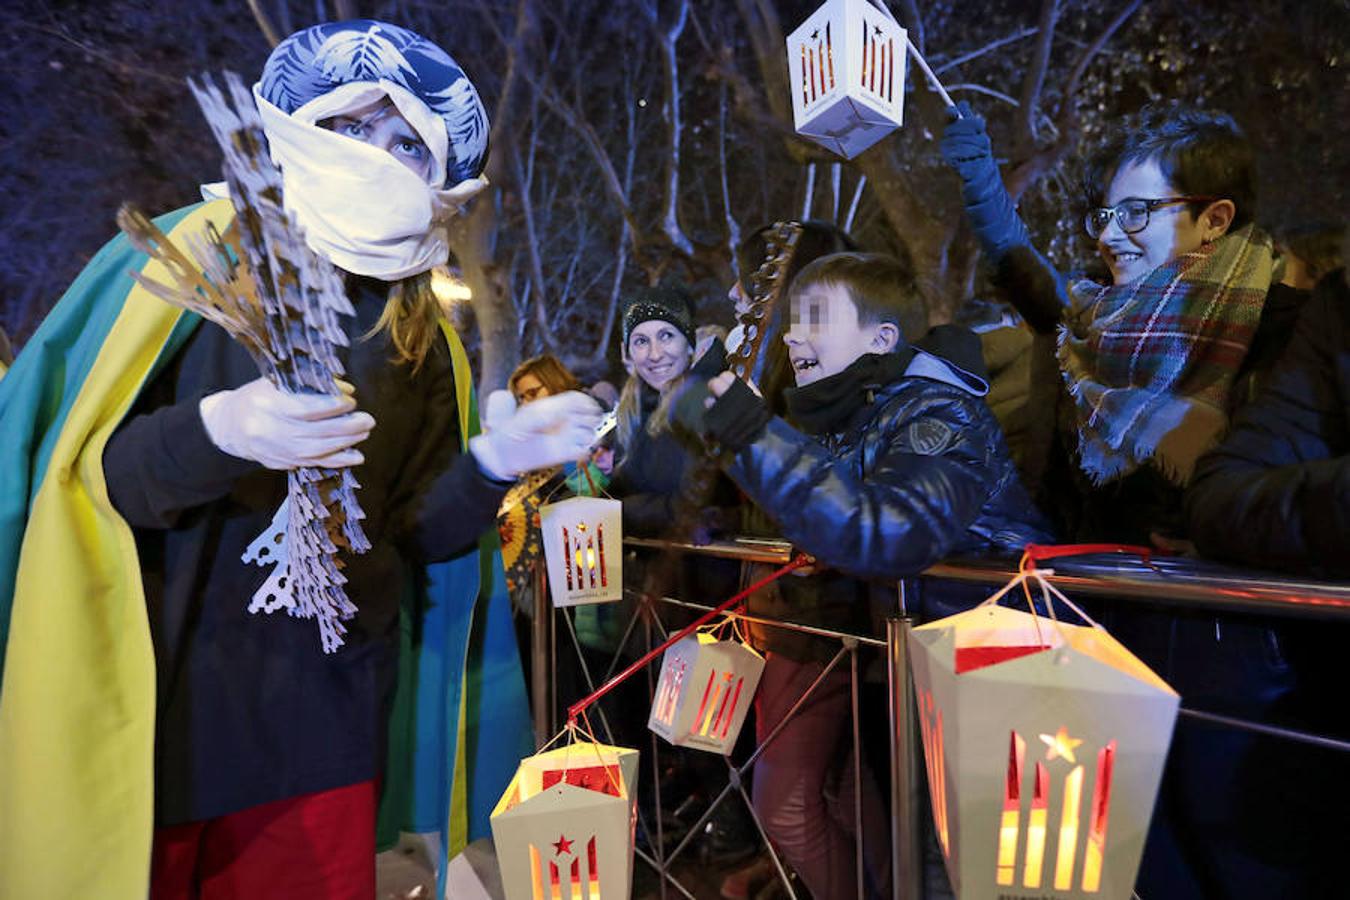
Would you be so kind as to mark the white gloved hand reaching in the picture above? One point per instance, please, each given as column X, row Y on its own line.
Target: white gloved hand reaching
column 547, row 432
column 258, row 421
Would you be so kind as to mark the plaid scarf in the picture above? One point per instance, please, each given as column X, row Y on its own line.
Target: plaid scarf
column 1151, row 364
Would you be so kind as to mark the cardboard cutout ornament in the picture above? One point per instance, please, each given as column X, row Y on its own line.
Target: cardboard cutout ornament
column 565, row 827
column 704, row 691
column 583, row 546
column 1045, row 745
column 846, row 66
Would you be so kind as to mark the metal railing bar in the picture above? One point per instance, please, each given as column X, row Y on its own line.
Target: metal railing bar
column 783, row 876
column 1169, row 581
column 857, row 773
column 1253, row 593
column 759, row 751
column 745, row 549
column 789, row 626
column 586, row 673
column 1288, row 734
column 663, row 873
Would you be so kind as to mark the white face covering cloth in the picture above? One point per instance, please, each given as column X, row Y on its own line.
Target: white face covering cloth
column 360, row 208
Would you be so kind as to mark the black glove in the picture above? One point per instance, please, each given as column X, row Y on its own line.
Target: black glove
column 735, row 419
column 965, row 143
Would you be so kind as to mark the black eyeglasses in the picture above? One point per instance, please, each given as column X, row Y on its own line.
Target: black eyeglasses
column 1131, row 214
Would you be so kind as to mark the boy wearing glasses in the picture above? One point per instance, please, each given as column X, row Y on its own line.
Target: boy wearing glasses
column 1149, row 361
column 1149, row 365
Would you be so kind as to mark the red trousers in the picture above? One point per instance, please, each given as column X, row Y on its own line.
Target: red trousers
column 313, row 847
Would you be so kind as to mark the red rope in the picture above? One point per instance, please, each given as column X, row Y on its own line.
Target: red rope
column 1040, row 552
column 577, row 708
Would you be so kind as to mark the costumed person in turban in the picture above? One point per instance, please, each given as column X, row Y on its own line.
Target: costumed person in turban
column 157, row 738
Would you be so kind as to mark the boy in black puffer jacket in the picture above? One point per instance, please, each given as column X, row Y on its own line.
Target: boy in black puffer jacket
column 893, row 461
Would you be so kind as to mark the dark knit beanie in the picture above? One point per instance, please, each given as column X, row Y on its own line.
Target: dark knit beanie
column 667, row 302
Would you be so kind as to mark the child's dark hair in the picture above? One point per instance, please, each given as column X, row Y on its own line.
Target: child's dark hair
column 883, row 288
column 1201, row 153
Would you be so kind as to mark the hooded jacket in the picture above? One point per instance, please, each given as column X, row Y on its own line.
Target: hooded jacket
column 897, row 464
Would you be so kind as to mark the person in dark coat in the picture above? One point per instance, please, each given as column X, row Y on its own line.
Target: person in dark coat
column 891, row 461
column 1275, row 493
column 269, row 753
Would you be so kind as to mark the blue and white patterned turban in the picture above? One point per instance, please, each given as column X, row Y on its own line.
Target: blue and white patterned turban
column 311, row 63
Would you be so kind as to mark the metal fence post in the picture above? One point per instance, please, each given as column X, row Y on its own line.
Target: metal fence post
column 906, row 819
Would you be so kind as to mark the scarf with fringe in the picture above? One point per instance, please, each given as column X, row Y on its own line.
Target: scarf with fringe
column 1151, row 365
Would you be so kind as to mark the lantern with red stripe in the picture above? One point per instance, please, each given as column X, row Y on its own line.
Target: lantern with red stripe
column 564, row 828
column 1045, row 745
column 704, row 691
column 583, row 547
column 846, row 66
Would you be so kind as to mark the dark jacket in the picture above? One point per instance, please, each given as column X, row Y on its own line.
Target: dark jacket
column 250, row 710
column 1276, row 491
column 912, row 468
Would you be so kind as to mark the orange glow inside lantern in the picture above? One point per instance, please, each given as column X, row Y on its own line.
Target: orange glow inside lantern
column 704, row 691
column 847, row 71
column 582, row 539
column 1022, row 721
column 570, row 813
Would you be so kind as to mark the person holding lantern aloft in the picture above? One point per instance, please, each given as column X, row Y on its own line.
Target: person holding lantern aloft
column 1148, row 361
column 1151, row 366
column 173, row 744
column 889, row 460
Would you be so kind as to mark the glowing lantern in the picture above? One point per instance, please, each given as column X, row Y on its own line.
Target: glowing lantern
column 583, row 545
column 564, row 828
column 1045, row 745
column 846, row 74
column 704, row 692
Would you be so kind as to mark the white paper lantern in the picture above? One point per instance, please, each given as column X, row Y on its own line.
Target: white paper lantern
column 1045, row 746
column 846, row 74
column 564, row 828
column 583, row 546
column 704, row 692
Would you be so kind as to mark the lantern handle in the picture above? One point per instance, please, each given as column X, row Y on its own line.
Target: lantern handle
column 918, row 58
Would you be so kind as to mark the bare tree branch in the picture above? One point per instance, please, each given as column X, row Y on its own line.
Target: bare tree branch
column 1034, row 80
column 853, row 205
column 669, row 36
column 981, row 51
column 264, row 23
column 981, row 89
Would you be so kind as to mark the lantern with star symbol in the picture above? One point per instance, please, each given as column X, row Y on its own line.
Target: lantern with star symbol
column 1045, row 745
column 564, row 828
column 583, row 547
column 704, row 690
column 846, row 67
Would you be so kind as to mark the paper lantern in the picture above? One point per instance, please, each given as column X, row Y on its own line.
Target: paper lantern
column 1045, row 746
column 704, row 692
column 564, row 828
column 583, row 546
column 846, row 74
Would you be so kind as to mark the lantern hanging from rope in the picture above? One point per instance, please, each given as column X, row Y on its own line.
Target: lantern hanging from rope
column 704, row 690
column 564, row 829
column 1045, row 745
column 846, row 67
column 583, row 546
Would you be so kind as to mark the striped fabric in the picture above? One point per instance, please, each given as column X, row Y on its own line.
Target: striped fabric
column 1152, row 364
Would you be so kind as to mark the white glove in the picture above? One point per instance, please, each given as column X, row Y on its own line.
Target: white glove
column 260, row 422
column 544, row 433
